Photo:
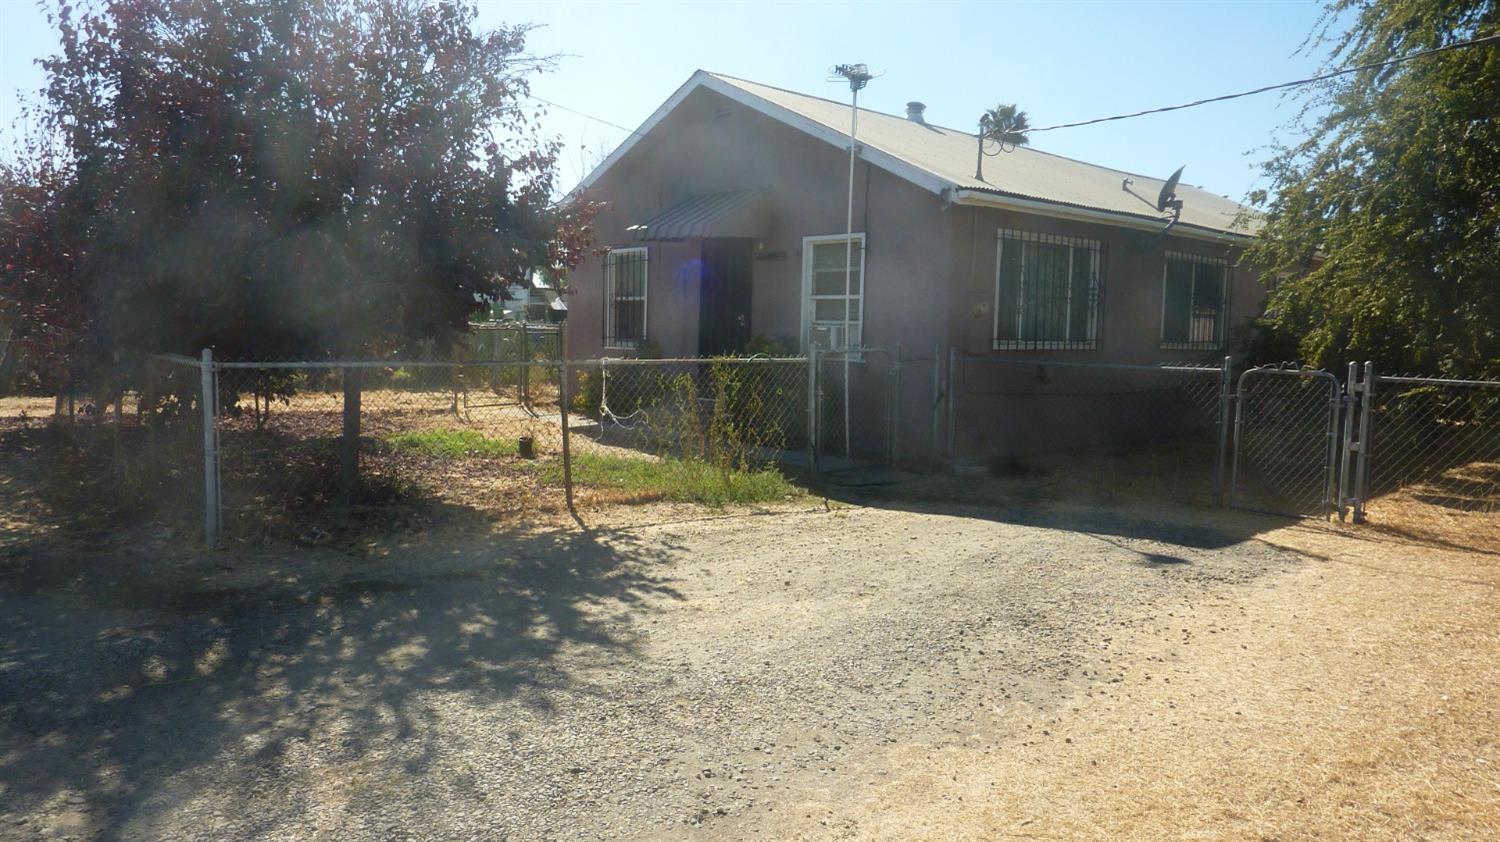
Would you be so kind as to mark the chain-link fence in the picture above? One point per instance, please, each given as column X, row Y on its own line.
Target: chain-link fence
column 282, row 443
column 295, row 438
column 266, row 447
column 857, row 405
column 1425, row 456
column 690, row 417
column 1154, row 430
column 513, row 341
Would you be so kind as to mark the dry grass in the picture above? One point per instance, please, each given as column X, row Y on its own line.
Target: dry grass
column 1461, row 508
column 1350, row 699
column 25, row 406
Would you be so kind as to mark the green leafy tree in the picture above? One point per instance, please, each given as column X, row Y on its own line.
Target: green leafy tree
column 276, row 179
column 1383, row 227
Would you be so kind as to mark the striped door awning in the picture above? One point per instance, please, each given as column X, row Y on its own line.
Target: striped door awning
column 734, row 213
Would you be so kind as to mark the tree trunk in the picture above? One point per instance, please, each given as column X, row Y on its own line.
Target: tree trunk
column 349, row 446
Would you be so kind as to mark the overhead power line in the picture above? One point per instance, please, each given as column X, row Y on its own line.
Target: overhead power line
column 1488, row 39
column 1458, row 45
column 584, row 115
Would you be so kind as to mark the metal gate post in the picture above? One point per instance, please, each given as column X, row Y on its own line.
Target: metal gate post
column 1362, row 467
column 208, row 400
column 1335, row 399
column 814, row 392
column 1349, row 446
column 1225, row 373
column 1239, row 428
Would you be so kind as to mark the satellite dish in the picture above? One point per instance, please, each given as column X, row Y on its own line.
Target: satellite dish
column 1167, row 198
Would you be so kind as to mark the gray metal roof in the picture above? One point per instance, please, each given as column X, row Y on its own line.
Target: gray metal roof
column 736, row 213
column 947, row 156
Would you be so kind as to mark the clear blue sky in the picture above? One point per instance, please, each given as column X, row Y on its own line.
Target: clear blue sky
column 1058, row 61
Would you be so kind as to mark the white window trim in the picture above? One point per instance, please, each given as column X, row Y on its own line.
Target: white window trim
column 609, row 297
column 1200, row 345
column 807, row 300
column 1096, row 250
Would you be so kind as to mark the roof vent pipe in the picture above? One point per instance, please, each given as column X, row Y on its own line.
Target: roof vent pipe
column 914, row 112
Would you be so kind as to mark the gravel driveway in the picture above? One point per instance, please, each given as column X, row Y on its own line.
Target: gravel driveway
column 680, row 679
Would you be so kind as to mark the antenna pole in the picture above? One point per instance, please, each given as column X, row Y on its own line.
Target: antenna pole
column 849, row 264
column 858, row 76
column 979, row 158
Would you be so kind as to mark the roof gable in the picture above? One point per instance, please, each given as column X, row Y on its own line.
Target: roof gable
column 942, row 160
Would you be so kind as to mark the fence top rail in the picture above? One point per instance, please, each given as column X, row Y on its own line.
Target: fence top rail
column 248, row 364
column 1308, row 373
column 516, row 363
column 531, row 327
column 1435, row 381
column 683, row 360
column 180, row 359
column 1197, row 369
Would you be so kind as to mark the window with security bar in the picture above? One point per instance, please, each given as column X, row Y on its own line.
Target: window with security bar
column 625, row 284
column 1048, row 291
column 1194, row 305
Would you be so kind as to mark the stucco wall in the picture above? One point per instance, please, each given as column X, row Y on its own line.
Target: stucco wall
column 929, row 269
column 711, row 144
column 1005, row 409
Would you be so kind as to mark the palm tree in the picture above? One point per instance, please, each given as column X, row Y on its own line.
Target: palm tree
column 1006, row 125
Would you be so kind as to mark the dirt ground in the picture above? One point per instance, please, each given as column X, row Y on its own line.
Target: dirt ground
column 901, row 668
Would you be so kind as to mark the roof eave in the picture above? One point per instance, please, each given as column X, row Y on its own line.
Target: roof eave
column 704, row 79
column 1006, row 201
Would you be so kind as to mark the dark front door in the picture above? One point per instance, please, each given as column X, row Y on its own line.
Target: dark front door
column 724, row 297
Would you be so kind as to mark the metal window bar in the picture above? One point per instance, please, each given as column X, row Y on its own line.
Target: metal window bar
column 1203, row 323
column 1048, row 291
column 626, row 297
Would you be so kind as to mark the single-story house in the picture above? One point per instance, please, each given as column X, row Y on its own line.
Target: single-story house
column 725, row 221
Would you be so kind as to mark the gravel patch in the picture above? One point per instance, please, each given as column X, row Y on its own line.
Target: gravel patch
column 654, row 681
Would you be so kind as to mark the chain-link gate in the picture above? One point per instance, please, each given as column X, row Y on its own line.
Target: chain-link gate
column 1286, row 441
column 856, row 394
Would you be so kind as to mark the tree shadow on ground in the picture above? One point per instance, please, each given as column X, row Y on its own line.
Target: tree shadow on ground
column 124, row 669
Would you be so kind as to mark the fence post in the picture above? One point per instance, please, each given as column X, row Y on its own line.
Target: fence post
column 952, row 414
column 1239, row 431
column 525, row 369
column 118, row 382
column 209, row 400
column 1349, row 445
column 1226, row 374
column 1331, row 452
column 1362, row 467
column 149, row 416
column 812, row 407
column 893, row 405
column 562, row 409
